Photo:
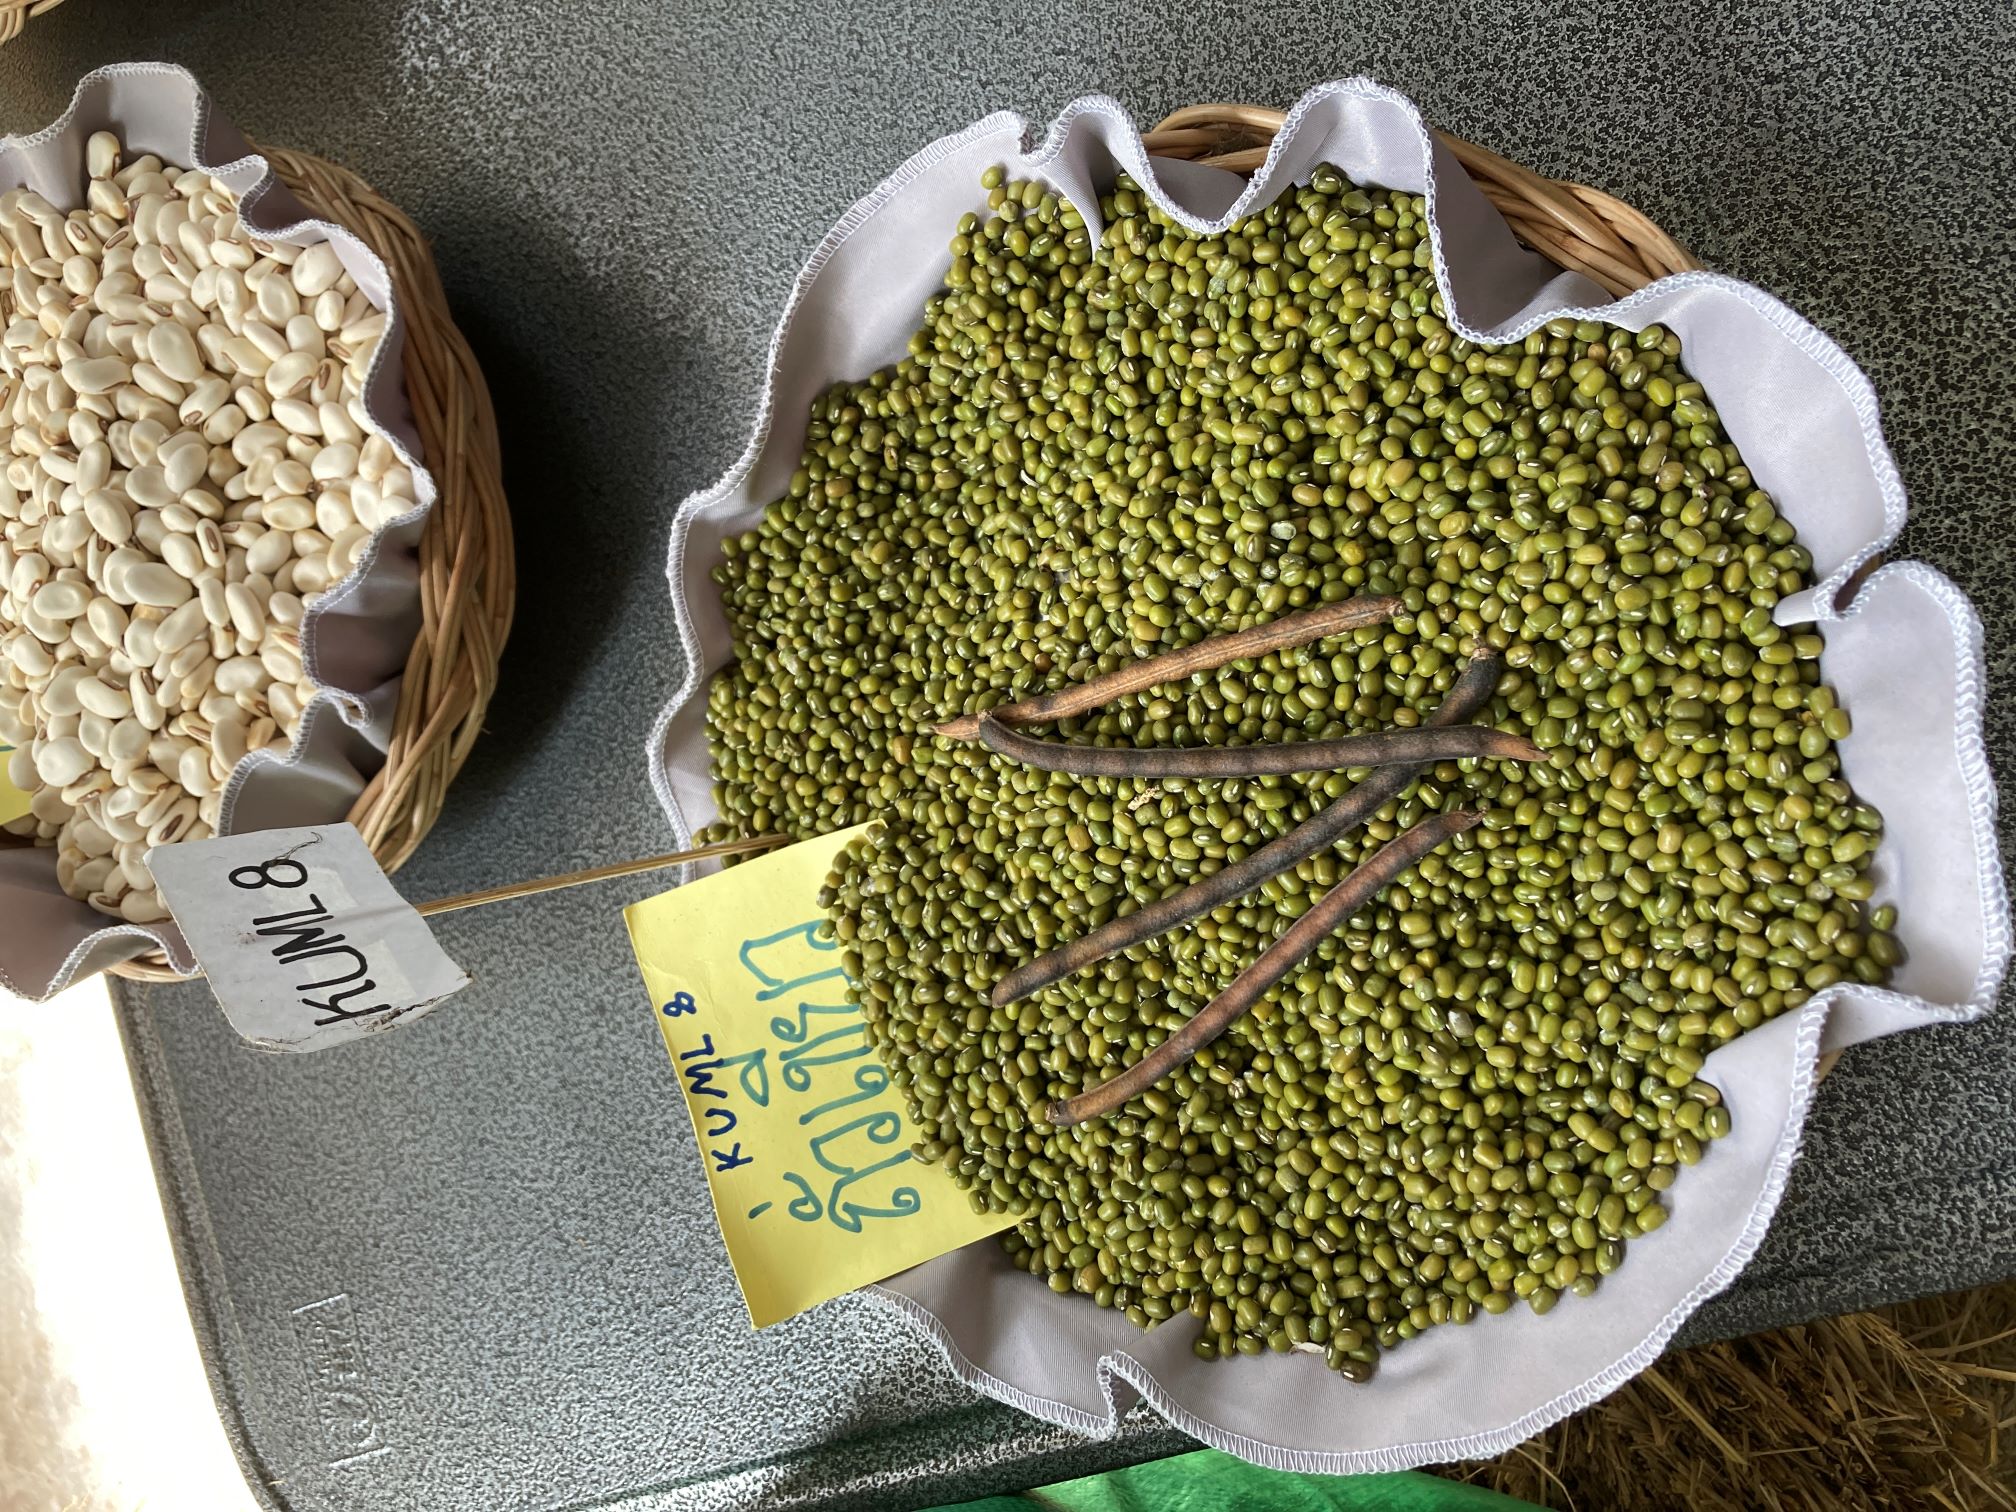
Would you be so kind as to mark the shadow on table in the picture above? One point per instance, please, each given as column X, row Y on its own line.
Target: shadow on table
column 583, row 479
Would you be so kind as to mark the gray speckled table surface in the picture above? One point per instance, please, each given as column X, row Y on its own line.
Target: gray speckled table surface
column 619, row 192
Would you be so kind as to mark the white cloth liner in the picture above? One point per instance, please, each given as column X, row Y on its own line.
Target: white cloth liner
column 354, row 640
column 1906, row 659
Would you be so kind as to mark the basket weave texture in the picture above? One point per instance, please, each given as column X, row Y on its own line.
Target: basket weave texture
column 15, row 14
column 468, row 578
column 1581, row 229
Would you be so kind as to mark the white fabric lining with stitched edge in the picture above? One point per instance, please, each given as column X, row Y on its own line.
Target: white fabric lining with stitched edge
column 1905, row 659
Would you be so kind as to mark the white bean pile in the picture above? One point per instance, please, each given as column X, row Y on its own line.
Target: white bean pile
column 187, row 464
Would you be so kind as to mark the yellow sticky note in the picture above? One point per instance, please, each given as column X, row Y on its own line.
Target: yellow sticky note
column 13, row 802
column 805, row 1141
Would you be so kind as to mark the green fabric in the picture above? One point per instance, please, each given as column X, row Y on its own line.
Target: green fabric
column 1208, row 1481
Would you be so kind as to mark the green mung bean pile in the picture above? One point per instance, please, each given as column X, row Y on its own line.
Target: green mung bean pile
column 1102, row 447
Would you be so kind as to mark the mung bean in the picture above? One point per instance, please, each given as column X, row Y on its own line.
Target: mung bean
column 1115, row 439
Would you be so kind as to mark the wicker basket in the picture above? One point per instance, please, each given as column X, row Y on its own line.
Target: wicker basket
column 468, row 580
column 15, row 14
column 1579, row 228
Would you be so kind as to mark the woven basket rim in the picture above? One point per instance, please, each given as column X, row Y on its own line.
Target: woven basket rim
column 15, row 14
column 1582, row 229
column 466, row 566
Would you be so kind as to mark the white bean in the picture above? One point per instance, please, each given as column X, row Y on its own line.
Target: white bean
column 268, row 551
column 180, row 627
column 316, row 270
column 333, row 511
column 49, row 631
column 227, row 740
column 121, row 806
column 94, row 733
column 165, row 796
column 241, row 674
column 59, row 694
column 91, row 785
column 188, row 659
column 299, row 416
column 248, row 615
column 147, row 486
column 107, row 620
column 348, row 545
column 102, row 153
column 128, row 741
column 187, row 466
column 62, row 600
column 333, row 462
column 278, row 301
column 96, row 375
column 30, row 657
column 94, row 467
column 110, row 517
column 104, row 700
column 245, row 356
column 140, row 644
column 224, row 425
column 171, row 347
column 158, row 584
column 286, row 513
column 303, row 335
column 183, row 554
column 158, row 383
column 270, row 343
column 147, row 434
column 64, row 536
column 193, row 772
column 61, row 762
column 146, row 701
column 255, row 441
column 313, row 575
column 216, row 610
column 150, row 529
column 31, row 570
column 195, row 245
column 290, row 374
column 138, row 907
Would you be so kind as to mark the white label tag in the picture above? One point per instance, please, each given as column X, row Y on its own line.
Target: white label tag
column 304, row 940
